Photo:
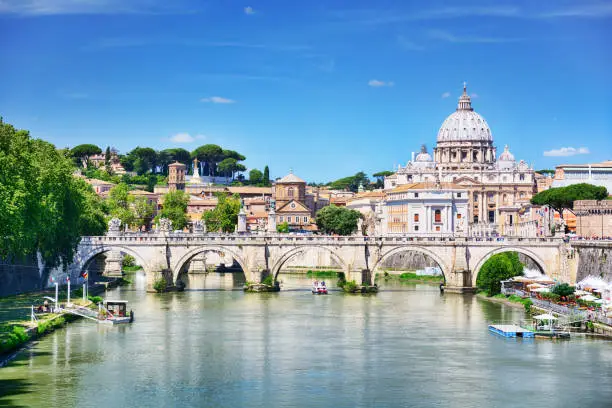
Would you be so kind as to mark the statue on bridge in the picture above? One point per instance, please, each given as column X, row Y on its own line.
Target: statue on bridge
column 165, row 225
column 114, row 226
column 199, row 227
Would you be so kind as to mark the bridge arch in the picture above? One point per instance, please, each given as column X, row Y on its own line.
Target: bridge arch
column 534, row 257
column 176, row 270
column 84, row 260
column 406, row 248
column 278, row 264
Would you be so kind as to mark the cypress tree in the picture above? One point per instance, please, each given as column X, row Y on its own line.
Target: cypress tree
column 266, row 176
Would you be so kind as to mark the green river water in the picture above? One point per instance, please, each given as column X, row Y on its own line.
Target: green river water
column 408, row 346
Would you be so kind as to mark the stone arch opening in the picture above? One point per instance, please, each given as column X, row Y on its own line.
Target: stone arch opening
column 524, row 254
column 210, row 267
column 409, row 260
column 85, row 262
column 326, row 271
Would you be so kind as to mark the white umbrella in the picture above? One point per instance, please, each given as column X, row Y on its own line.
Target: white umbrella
column 588, row 298
column 541, row 290
column 545, row 316
column 544, row 279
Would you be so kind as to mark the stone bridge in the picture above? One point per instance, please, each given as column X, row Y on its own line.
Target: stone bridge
column 361, row 258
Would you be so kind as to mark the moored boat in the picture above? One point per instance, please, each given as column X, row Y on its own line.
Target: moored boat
column 319, row 288
column 116, row 312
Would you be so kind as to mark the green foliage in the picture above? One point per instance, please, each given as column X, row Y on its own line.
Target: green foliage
column 380, row 178
column 337, row 220
column 412, row 277
column 128, row 260
column 224, row 217
column 46, row 326
column 563, row 289
column 321, row 274
column 283, row 227
column 496, row 269
column 349, row 286
column 210, row 155
column 351, row 183
column 160, row 284
column 13, row 338
column 527, row 303
column 141, row 160
column 95, row 299
column 561, row 198
column 255, row 176
column 43, row 207
column 119, row 203
column 268, row 280
column 81, row 153
column 266, row 176
column 174, row 208
column 547, row 172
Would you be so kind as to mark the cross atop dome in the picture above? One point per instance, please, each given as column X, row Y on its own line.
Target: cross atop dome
column 465, row 102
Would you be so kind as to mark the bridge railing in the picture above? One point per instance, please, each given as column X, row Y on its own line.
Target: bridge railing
column 152, row 238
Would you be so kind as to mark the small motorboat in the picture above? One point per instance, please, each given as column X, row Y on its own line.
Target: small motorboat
column 116, row 312
column 319, row 288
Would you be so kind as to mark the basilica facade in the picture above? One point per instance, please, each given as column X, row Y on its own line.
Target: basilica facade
column 499, row 187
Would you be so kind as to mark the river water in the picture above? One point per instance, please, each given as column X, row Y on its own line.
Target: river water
column 406, row 346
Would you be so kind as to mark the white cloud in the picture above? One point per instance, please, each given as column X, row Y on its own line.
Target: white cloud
column 566, row 151
column 217, row 99
column 445, row 95
column 249, row 10
column 182, row 138
column 58, row 7
column 377, row 84
column 442, row 35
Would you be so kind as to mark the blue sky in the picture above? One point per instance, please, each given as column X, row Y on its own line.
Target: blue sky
column 326, row 87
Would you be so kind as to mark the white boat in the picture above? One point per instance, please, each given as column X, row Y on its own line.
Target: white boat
column 116, row 312
column 319, row 288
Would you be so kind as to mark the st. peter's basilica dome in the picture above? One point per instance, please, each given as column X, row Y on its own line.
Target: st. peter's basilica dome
column 464, row 124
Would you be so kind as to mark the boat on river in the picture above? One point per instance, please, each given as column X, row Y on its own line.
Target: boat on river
column 542, row 326
column 319, row 288
column 115, row 312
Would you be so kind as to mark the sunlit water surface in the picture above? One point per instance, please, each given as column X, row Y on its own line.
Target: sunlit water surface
column 406, row 346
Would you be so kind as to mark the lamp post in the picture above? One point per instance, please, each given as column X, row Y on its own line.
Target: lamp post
column 56, row 294
column 68, row 280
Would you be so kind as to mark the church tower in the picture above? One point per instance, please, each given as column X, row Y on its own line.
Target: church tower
column 176, row 176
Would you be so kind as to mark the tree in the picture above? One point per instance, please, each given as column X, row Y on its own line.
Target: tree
column 143, row 212
column 83, row 152
column 43, row 207
column 232, row 154
column 496, row 269
column 266, row 176
column 209, row 154
column 107, row 160
column 380, row 178
column 563, row 289
column 227, row 167
column 224, row 217
column 169, row 156
column 174, row 208
column 255, row 176
column 351, row 183
column 561, row 198
column 119, row 204
column 337, row 220
column 283, row 227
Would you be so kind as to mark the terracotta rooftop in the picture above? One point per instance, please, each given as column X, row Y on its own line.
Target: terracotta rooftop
column 250, row 190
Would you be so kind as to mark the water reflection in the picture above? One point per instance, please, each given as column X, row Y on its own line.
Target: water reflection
column 407, row 346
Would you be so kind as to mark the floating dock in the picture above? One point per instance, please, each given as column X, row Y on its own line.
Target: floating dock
column 511, row 330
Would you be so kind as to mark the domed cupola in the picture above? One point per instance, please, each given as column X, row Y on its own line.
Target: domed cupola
column 506, row 160
column 423, row 156
column 464, row 124
column 506, row 155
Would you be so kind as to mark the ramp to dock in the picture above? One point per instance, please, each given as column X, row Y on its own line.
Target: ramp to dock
column 510, row 330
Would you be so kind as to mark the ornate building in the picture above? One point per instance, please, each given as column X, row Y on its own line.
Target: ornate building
column 289, row 194
column 499, row 187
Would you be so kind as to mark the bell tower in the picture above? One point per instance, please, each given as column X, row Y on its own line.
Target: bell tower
column 176, row 176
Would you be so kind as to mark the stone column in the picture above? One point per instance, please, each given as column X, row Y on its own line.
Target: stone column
column 272, row 221
column 449, row 218
column 112, row 265
column 242, row 224
column 198, row 264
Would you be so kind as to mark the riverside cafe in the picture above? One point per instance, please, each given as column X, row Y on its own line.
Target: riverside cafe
column 527, row 286
column 595, row 289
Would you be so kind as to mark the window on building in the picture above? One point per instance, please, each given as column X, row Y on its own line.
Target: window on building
column 416, row 195
column 458, row 195
column 416, row 217
column 522, row 177
column 437, row 228
column 475, row 197
column 290, row 191
column 438, row 216
column 491, row 216
column 458, row 216
column 305, row 219
column 289, row 218
column 282, row 219
column 416, row 227
column 476, row 219
column 410, row 178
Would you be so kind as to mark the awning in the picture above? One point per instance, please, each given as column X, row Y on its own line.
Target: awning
column 545, row 316
column 541, row 290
